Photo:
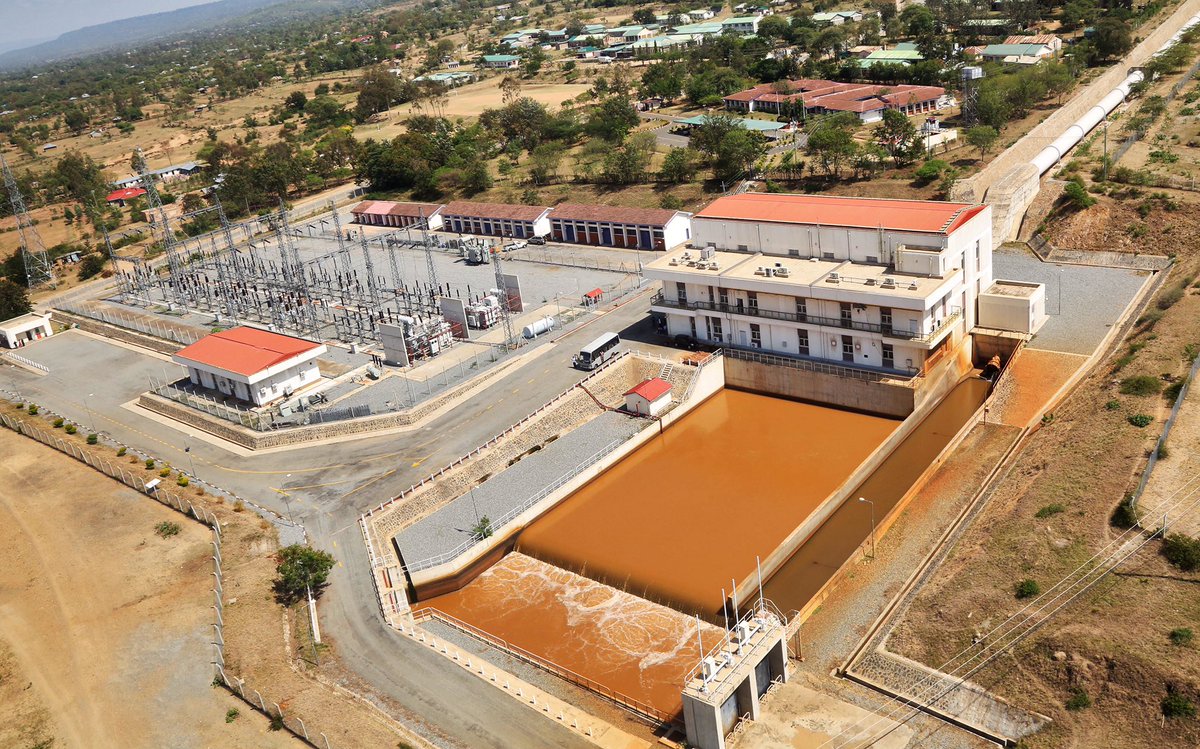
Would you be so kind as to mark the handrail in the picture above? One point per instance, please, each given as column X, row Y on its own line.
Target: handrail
column 512, row 514
column 815, row 365
column 27, row 362
column 824, row 322
column 634, row 705
column 762, row 610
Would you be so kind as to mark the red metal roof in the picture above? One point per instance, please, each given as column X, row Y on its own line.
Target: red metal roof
column 928, row 216
column 391, row 208
column 245, row 351
column 612, row 213
column 651, row 389
column 513, row 212
column 594, row 294
column 127, row 193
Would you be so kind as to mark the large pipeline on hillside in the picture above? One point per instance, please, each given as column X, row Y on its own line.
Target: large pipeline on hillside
column 1050, row 155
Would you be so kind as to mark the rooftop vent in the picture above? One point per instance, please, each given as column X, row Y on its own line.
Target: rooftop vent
column 888, row 282
column 782, row 272
column 833, row 277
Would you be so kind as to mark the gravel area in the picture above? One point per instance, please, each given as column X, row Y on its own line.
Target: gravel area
column 1083, row 302
column 445, row 530
column 1030, row 382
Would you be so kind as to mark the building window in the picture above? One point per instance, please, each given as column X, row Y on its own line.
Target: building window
column 714, row 326
column 802, row 342
column 845, row 310
column 755, row 336
column 743, row 248
column 752, row 301
column 885, row 318
column 692, row 320
column 794, row 253
column 873, row 259
column 711, row 295
column 977, row 242
column 801, row 308
column 889, row 356
column 827, row 256
column 723, row 297
column 847, row 348
column 681, row 292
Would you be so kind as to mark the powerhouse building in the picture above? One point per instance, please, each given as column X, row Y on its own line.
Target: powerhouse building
column 252, row 365
column 882, row 284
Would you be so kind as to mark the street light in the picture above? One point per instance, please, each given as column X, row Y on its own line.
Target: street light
column 864, row 499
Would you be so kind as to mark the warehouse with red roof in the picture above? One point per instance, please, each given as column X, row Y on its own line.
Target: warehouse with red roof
column 252, row 365
column 397, row 215
column 619, row 226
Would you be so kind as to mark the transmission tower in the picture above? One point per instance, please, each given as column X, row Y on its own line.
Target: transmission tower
column 38, row 269
column 971, row 75
column 505, row 311
column 426, row 241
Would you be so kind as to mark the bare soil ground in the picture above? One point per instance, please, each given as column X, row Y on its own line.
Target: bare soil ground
column 104, row 625
column 1178, row 466
column 1112, row 642
column 262, row 638
column 1029, row 384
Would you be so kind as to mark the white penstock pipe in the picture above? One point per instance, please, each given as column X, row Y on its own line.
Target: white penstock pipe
column 1050, row 155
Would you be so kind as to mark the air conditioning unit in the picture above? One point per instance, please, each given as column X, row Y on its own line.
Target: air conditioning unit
column 760, row 271
column 912, row 286
column 813, row 260
column 674, row 261
column 782, row 272
column 713, row 265
column 888, row 282
column 709, row 668
column 834, row 277
column 707, row 252
column 870, row 282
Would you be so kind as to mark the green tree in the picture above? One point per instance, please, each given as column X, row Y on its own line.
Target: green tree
column 982, row 138
column 679, row 165
column 831, row 142
column 91, row 265
column 544, row 161
column 324, row 112
column 612, row 120
column 644, row 16
column 663, row 79
column 1113, row 38
column 738, row 151
column 300, row 569
column 14, row 301
column 898, row 136
column 75, row 119
column 378, row 91
column 1076, row 196
column 295, row 101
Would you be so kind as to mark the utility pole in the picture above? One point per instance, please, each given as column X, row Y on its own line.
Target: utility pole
column 505, row 312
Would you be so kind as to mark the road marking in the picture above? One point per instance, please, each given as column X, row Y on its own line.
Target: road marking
column 422, row 460
column 367, row 483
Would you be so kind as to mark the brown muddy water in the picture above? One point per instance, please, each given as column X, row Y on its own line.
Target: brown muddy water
column 799, row 579
column 689, row 511
column 627, row 644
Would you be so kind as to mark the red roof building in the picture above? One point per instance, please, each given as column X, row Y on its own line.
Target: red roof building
column 397, row 215
column 251, row 364
column 496, row 219
column 126, row 193
column 817, row 96
column 620, row 226
column 924, row 216
column 649, row 397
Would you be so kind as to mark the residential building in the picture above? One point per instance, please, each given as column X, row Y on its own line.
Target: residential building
column 817, row 96
column 124, row 195
column 649, row 397
column 700, row 15
column 618, row 226
column 698, row 31
column 496, row 219
column 1049, row 40
column 891, row 56
column 1016, row 53
column 767, row 127
column 881, row 284
column 501, row 62
column 741, row 24
column 837, row 17
column 251, row 365
column 398, row 215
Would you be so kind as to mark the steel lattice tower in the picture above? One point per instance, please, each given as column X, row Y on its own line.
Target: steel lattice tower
column 39, row 271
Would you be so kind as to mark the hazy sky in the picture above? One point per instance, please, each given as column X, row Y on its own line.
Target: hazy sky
column 45, row 19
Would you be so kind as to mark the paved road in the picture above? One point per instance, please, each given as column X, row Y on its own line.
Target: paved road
column 327, row 487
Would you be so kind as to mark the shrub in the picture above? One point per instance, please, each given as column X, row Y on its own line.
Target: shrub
column 165, row 472
column 239, row 506
column 1027, row 589
column 1181, row 636
column 121, row 452
column 70, row 429
column 1168, row 298
column 33, row 410
column 58, row 423
column 166, row 529
column 1141, row 385
column 930, row 170
column 231, row 715
column 1050, row 510
column 149, row 463
column 1175, row 705
column 182, row 480
column 1079, row 700
column 276, row 723
column 301, row 569
column 1182, row 551
column 1113, row 405
column 1171, row 392
column 1047, row 419
column 1140, row 420
column 1125, row 515
column 93, row 438
column 1164, row 452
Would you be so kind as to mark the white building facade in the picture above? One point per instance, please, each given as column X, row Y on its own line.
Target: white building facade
column 252, row 365
column 882, row 284
column 19, row 331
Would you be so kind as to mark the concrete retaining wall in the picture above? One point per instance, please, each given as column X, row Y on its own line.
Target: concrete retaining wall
column 886, row 399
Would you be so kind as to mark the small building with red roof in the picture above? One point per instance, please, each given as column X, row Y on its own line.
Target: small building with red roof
column 252, row 365
column 120, row 197
column 649, row 397
column 397, row 215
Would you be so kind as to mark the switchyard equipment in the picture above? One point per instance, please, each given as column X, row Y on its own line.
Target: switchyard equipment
column 255, row 272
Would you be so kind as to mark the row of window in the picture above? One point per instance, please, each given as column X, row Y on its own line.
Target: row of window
column 846, row 309
column 717, row 335
column 486, row 226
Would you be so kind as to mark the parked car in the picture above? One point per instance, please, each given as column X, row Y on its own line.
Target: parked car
column 537, row 240
column 515, row 246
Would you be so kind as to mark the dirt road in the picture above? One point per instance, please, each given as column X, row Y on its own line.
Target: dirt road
column 106, row 622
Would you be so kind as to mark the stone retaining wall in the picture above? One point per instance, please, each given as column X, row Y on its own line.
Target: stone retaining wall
column 105, row 330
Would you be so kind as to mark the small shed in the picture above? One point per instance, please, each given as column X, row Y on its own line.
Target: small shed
column 648, row 398
column 19, row 331
column 593, row 297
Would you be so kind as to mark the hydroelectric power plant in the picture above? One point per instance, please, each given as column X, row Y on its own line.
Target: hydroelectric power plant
column 661, row 562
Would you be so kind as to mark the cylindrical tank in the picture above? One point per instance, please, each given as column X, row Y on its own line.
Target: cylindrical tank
column 537, row 327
